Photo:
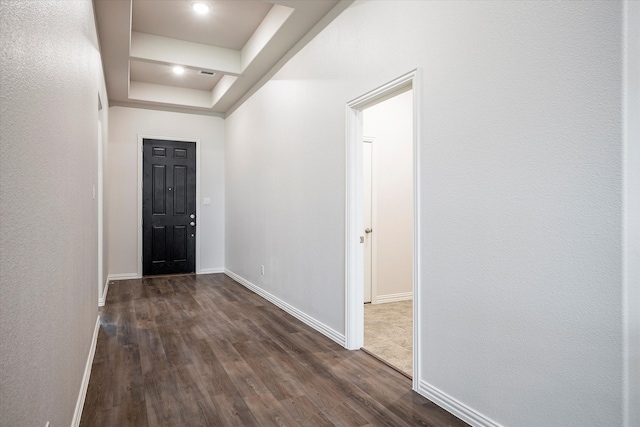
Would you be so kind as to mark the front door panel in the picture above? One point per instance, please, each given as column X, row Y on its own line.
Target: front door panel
column 168, row 207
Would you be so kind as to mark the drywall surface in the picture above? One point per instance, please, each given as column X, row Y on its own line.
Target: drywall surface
column 125, row 124
column 632, row 213
column 284, row 188
column 50, row 77
column 520, row 194
column 390, row 123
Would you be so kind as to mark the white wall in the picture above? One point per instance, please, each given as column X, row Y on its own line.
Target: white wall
column 125, row 126
column 520, row 175
column 632, row 212
column 50, row 77
column 391, row 124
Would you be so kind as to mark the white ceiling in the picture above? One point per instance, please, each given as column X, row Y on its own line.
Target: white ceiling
column 241, row 41
column 229, row 24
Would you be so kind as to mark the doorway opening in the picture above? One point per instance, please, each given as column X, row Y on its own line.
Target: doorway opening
column 382, row 239
column 168, row 209
column 388, row 230
column 102, row 271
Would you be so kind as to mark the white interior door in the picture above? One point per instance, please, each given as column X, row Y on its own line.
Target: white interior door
column 367, row 157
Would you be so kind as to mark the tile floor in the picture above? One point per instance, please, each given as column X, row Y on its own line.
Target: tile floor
column 388, row 333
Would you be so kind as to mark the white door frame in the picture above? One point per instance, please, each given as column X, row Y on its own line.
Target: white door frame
column 354, row 253
column 168, row 138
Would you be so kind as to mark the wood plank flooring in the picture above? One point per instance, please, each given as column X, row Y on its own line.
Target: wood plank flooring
column 205, row 351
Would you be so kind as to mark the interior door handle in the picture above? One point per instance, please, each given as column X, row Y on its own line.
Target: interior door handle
column 368, row 230
column 192, row 223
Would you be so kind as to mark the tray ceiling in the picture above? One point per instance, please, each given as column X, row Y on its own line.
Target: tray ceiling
column 239, row 41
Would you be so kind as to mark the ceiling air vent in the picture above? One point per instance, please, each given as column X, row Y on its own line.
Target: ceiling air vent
column 206, row 73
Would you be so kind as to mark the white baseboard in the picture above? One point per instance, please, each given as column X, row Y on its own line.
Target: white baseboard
column 77, row 414
column 459, row 409
column 123, row 276
column 403, row 296
column 103, row 298
column 211, row 270
column 303, row 317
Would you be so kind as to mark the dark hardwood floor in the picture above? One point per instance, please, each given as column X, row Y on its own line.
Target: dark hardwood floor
column 205, row 351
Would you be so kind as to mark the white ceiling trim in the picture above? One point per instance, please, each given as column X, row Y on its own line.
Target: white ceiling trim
column 268, row 28
column 171, row 108
column 223, row 86
column 171, row 95
column 163, row 50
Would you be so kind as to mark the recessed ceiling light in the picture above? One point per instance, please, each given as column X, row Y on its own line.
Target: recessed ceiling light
column 200, row 8
column 178, row 70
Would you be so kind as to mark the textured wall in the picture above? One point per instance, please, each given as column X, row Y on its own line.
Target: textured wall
column 521, row 210
column 632, row 211
column 50, row 77
column 125, row 126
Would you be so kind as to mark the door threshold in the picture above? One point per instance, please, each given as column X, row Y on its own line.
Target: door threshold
column 158, row 276
column 378, row 358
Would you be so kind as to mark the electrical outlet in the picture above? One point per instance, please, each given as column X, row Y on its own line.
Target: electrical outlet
column 262, row 270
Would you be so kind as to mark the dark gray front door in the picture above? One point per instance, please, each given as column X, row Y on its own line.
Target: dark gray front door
column 168, row 207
